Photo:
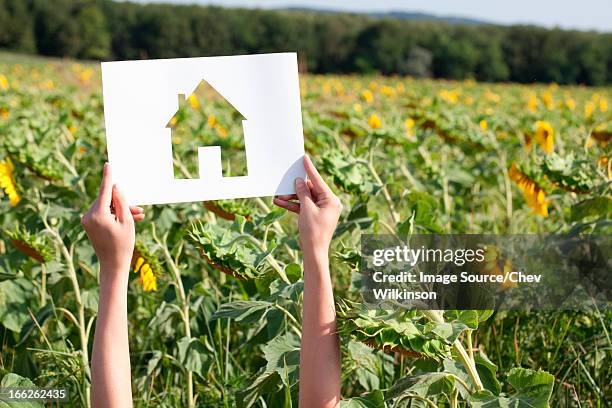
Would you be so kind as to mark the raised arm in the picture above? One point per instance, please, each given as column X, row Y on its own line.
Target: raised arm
column 112, row 236
column 319, row 210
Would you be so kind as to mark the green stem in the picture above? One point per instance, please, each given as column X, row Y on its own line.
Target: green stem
column 447, row 201
column 290, row 316
column 43, row 286
column 414, row 183
column 387, row 227
column 454, row 403
column 227, row 345
column 425, row 155
column 394, row 215
column 68, row 258
column 470, row 366
column 81, row 319
column 69, row 314
column 469, row 345
column 462, row 382
column 184, row 306
column 507, row 185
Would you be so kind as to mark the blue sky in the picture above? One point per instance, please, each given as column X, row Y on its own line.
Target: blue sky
column 579, row 14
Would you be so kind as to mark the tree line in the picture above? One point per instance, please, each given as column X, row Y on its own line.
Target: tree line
column 326, row 42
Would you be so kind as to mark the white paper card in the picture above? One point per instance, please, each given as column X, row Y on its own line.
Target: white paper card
column 140, row 97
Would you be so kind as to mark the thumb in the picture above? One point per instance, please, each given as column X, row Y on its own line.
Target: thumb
column 302, row 191
column 106, row 188
column 122, row 208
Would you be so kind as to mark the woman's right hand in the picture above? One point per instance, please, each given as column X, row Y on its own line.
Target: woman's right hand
column 318, row 209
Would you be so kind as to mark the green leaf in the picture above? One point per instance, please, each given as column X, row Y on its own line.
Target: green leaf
column 458, row 175
column 153, row 362
column 422, row 385
column 164, row 319
column 470, row 318
column 533, row 389
column 425, row 210
column 348, row 174
column 42, row 316
column 193, row 355
column 90, row 299
column 486, row 399
column 456, row 368
column 449, row 330
column 600, row 207
column 15, row 299
column 283, row 355
column 272, row 216
column 568, row 172
column 242, row 311
column 293, row 272
column 374, row 399
column 487, row 371
column 265, row 382
column 366, row 364
column 279, row 289
column 484, row 315
column 357, row 218
column 15, row 381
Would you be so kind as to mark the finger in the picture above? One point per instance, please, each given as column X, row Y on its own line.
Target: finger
column 313, row 192
column 136, row 210
column 287, row 205
column 105, row 195
column 122, row 208
column 302, row 190
column 138, row 217
column 314, row 176
column 312, row 189
column 287, row 197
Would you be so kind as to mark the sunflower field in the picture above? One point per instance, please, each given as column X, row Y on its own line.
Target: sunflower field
column 216, row 288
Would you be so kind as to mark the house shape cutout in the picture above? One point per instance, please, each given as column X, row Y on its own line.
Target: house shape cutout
column 200, row 141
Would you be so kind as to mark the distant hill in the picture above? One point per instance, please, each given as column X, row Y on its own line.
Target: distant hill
column 401, row 15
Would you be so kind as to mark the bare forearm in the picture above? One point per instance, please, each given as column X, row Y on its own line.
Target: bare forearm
column 320, row 353
column 111, row 379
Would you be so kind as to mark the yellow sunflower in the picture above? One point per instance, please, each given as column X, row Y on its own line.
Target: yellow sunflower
column 147, row 266
column 7, row 181
column 534, row 194
column 545, row 136
column 374, row 121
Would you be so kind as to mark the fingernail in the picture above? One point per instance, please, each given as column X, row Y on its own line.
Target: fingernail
column 117, row 187
column 299, row 183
